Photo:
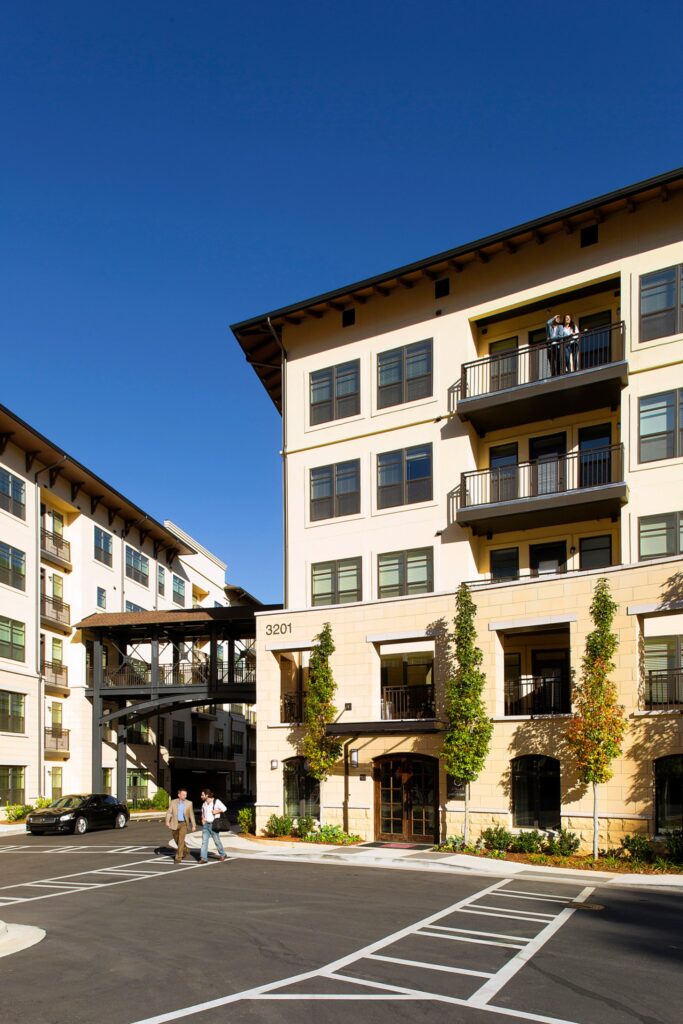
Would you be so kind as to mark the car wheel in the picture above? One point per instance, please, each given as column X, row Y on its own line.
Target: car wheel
column 81, row 825
column 120, row 820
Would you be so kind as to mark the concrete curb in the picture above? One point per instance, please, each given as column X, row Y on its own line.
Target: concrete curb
column 15, row 937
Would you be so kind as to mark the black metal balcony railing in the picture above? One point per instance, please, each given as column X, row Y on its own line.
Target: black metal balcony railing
column 12, row 723
column 55, row 609
column 532, row 363
column 13, row 577
column 55, row 674
column 559, row 474
column 664, row 690
column 201, row 751
column 54, row 544
column 537, row 695
column 292, row 708
column 56, row 739
column 400, row 702
column 183, row 674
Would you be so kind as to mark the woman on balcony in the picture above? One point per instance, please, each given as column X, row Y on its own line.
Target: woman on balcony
column 571, row 343
column 555, row 332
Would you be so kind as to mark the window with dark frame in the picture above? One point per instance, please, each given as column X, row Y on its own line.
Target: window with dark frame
column 661, row 303
column 404, row 374
column 178, row 591
column 595, row 552
column 12, row 494
column 401, row 573
column 338, row 582
column 404, row 477
column 334, row 393
column 668, row 773
column 101, row 598
column 536, row 801
column 103, row 546
column 335, row 490
column 301, row 790
column 161, row 580
column 12, row 711
column 660, row 536
column 12, row 567
column 504, row 564
column 137, row 566
column 12, row 639
column 660, row 426
column 12, row 784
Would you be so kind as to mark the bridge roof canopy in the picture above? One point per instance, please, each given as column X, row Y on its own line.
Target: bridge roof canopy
column 185, row 623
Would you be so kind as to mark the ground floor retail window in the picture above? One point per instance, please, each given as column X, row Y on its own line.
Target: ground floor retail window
column 669, row 793
column 536, row 792
column 301, row 790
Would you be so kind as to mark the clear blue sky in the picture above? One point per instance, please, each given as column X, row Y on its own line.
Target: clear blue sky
column 169, row 168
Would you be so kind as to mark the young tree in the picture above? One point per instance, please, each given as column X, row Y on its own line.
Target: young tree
column 320, row 750
column 469, row 727
column 597, row 729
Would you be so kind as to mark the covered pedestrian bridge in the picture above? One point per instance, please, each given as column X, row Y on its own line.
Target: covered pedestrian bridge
column 141, row 664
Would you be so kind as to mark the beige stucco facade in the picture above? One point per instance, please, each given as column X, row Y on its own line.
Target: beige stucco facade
column 504, row 296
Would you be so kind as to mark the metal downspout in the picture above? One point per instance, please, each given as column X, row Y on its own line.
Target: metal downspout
column 283, row 371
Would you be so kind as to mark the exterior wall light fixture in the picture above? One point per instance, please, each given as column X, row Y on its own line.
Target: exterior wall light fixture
column 274, row 765
column 354, row 758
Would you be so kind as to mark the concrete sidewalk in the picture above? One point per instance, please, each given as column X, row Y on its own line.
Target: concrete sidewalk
column 428, row 860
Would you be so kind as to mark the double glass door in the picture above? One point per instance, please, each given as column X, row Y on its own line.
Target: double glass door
column 406, row 799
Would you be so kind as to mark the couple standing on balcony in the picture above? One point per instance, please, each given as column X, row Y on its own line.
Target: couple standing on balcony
column 563, row 333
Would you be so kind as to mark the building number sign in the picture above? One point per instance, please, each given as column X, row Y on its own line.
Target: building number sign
column 278, row 628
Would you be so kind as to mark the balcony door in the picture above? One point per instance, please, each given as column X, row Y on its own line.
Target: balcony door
column 595, row 345
column 595, row 459
column 548, row 558
column 504, row 372
column 547, row 456
column 504, row 472
column 406, row 799
column 550, row 669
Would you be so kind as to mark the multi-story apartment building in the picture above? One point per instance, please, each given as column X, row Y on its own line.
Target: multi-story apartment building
column 437, row 430
column 71, row 545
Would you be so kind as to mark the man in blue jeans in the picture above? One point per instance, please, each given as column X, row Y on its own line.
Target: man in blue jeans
column 211, row 809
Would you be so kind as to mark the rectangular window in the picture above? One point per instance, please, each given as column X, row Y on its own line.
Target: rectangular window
column 11, row 785
column 505, row 564
column 404, row 374
column 101, row 597
column 56, row 783
column 335, row 392
column 404, row 477
column 137, row 566
column 131, row 607
column 161, row 580
column 660, row 536
column 12, row 567
column 238, row 742
column 12, row 494
column 104, row 546
column 179, row 591
column 336, row 582
column 406, row 572
column 12, row 639
column 595, row 552
column 661, row 303
column 335, row 490
column 12, row 711
column 57, row 649
column 106, row 780
column 661, row 426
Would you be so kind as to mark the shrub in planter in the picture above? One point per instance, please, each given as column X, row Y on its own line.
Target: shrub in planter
column 17, row 812
column 279, row 825
column 674, row 846
column 246, row 819
column 42, row 801
column 527, row 842
column 453, row 844
column 333, row 834
column 497, row 838
column 304, row 825
column 160, row 800
column 563, row 844
column 639, row 848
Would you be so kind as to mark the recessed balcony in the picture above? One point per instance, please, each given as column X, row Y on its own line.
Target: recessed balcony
column 537, row 696
column 544, row 381
column 407, row 702
column 55, row 549
column 55, row 678
column 559, row 489
column 664, row 691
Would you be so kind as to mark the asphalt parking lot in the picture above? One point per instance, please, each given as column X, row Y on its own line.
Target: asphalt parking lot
column 133, row 938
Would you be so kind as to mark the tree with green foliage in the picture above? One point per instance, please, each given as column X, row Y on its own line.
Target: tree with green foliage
column 598, row 725
column 320, row 750
column 469, row 729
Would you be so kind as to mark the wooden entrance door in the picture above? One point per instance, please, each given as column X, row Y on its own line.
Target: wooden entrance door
column 406, row 799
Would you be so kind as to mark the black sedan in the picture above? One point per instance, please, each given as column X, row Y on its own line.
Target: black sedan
column 78, row 814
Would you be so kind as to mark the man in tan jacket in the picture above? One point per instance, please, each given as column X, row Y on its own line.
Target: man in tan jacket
column 180, row 819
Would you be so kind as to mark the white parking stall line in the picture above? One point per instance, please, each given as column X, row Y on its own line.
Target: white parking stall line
column 520, row 913
column 403, row 962
column 471, row 931
column 469, row 938
column 543, row 896
column 503, row 914
column 535, row 899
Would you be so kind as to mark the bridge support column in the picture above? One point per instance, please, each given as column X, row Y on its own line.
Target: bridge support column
column 121, row 736
column 96, row 716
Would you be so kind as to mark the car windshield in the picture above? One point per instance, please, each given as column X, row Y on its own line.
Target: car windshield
column 67, row 802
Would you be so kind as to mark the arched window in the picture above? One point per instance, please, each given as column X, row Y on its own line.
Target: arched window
column 302, row 791
column 536, row 792
column 669, row 792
